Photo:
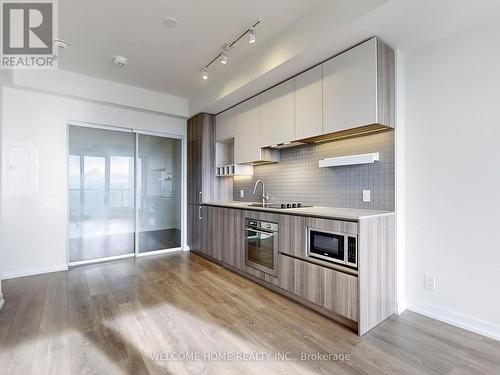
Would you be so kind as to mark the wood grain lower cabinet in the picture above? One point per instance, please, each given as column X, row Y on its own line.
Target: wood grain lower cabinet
column 213, row 232
column 195, row 226
column 322, row 286
column 233, row 242
column 339, row 226
column 292, row 235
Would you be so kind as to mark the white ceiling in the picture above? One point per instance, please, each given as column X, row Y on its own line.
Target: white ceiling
column 164, row 59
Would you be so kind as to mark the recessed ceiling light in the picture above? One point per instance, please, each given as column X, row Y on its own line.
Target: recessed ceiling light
column 120, row 61
column 61, row 44
column 169, row 21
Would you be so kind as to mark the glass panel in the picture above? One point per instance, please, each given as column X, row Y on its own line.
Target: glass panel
column 101, row 193
column 159, row 192
column 261, row 249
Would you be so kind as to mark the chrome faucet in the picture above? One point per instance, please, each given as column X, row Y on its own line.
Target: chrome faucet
column 265, row 197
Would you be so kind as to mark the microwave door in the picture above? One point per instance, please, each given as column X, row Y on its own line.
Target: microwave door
column 326, row 245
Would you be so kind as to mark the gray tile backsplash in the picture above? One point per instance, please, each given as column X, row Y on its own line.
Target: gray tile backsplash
column 298, row 178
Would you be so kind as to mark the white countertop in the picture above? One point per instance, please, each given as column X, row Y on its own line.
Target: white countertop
column 352, row 214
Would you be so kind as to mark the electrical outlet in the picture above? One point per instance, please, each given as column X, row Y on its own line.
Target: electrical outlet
column 430, row 282
column 242, row 193
column 366, row 195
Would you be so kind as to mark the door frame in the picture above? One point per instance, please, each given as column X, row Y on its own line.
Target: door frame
column 136, row 132
column 136, row 192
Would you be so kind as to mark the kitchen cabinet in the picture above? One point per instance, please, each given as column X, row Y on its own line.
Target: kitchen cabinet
column 325, row 287
column 213, row 231
column 201, row 159
column 247, row 148
column 309, row 103
column 225, row 123
column 233, row 243
column 194, row 168
column 277, row 114
column 358, row 87
column 200, row 173
column 292, row 239
column 247, row 131
column 195, row 226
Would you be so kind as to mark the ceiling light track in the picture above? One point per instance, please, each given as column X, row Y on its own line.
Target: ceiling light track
column 223, row 56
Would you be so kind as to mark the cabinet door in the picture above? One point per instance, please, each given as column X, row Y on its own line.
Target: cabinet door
column 195, row 229
column 225, row 125
column 303, row 279
column 195, row 129
column 247, row 125
column 194, row 175
column 334, row 290
column 341, row 293
column 213, row 232
column 350, row 88
column 292, row 236
column 233, row 240
column 277, row 115
column 309, row 103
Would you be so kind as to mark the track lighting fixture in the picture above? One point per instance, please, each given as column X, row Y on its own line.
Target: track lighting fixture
column 223, row 56
column 251, row 35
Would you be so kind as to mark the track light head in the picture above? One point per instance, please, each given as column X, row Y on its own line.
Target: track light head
column 251, row 35
column 224, row 58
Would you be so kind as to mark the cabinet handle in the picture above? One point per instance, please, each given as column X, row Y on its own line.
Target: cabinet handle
column 200, row 213
column 201, row 197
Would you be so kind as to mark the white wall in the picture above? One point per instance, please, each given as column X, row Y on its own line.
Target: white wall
column 95, row 89
column 453, row 179
column 33, row 229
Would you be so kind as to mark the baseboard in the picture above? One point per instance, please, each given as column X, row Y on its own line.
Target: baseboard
column 469, row 323
column 33, row 271
column 401, row 305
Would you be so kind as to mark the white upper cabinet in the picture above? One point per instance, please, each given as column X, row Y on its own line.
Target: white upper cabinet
column 225, row 125
column 350, row 88
column 358, row 87
column 277, row 114
column 247, row 134
column 308, row 103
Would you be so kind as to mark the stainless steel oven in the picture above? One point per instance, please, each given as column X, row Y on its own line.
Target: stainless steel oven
column 261, row 246
column 334, row 247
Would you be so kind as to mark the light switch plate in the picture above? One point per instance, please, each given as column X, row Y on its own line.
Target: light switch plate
column 242, row 193
column 366, row 195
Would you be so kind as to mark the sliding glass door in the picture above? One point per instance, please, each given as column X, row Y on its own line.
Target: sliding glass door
column 101, row 193
column 159, row 193
column 125, row 193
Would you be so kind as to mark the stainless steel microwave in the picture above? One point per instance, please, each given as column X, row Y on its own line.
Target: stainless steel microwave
column 341, row 248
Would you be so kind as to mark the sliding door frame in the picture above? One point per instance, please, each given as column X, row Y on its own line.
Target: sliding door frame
column 137, row 197
column 136, row 132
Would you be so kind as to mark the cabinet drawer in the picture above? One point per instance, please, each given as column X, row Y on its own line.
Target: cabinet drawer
column 333, row 225
column 322, row 286
column 292, row 235
column 265, row 216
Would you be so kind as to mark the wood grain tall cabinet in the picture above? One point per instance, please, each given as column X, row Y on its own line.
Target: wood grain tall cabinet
column 200, row 174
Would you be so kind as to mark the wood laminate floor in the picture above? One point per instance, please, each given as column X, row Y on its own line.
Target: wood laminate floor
column 113, row 318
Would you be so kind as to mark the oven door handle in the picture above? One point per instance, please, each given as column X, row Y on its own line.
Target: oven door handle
column 259, row 231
